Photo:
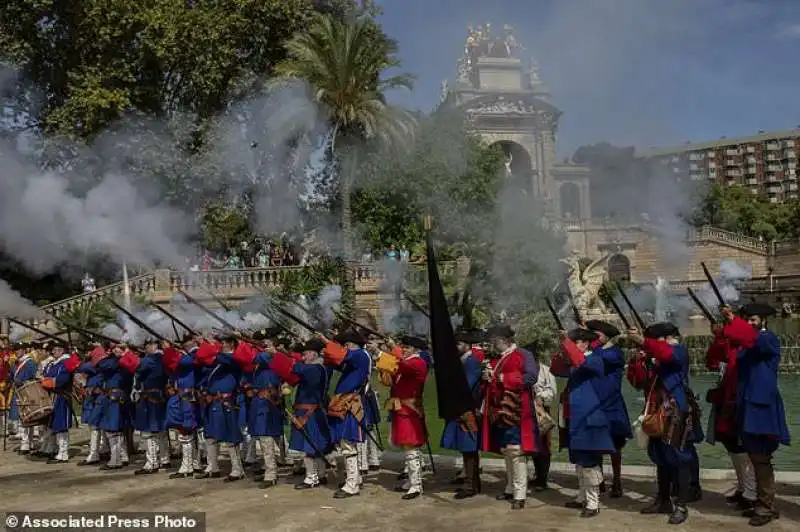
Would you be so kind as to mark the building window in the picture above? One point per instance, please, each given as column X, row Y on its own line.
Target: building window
column 619, row 268
column 570, row 199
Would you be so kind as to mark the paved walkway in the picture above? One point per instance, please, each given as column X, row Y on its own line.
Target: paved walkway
column 28, row 485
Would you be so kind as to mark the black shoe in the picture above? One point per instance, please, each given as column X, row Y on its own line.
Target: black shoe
column 763, row 519
column 374, row 468
column 517, row 505
column 144, row 471
column 125, row 463
column 198, row 471
column 323, row 481
column 504, row 497
column 258, row 472
column 574, row 505
column 340, row 494
column 411, row 496
column 181, row 475
column 589, row 513
column 602, row 487
column 658, row 507
column 737, row 496
column 364, row 472
column 744, row 505
column 464, row 494
column 457, row 481
column 749, row 513
column 267, row 484
column 106, row 467
column 208, row 475
column 540, row 487
column 679, row 515
column 304, row 486
column 616, row 490
column 232, row 478
column 85, row 463
column 52, row 461
column 402, row 476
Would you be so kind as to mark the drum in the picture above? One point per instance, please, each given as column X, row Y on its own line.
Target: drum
column 34, row 402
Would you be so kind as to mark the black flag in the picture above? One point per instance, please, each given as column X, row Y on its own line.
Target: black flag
column 455, row 397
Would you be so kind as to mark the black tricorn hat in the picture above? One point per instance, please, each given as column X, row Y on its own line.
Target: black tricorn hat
column 468, row 337
column 414, row 341
column 227, row 337
column 500, row 331
column 582, row 334
column 602, row 326
column 350, row 336
column 757, row 309
column 661, row 330
column 315, row 344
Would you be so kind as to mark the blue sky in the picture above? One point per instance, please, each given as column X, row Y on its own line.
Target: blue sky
column 632, row 72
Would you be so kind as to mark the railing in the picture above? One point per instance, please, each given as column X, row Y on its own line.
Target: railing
column 230, row 284
column 140, row 285
column 721, row 235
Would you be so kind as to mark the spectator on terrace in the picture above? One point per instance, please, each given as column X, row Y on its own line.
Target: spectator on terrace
column 88, row 284
column 392, row 254
column 207, row 261
column 404, row 255
column 262, row 257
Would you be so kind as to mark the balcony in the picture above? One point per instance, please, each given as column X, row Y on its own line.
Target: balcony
column 752, row 160
column 732, row 151
column 773, row 199
column 752, row 181
column 751, row 149
column 694, row 156
column 752, row 170
column 712, row 165
column 731, row 162
column 788, row 143
column 774, row 188
column 711, row 154
column 773, row 157
column 790, row 154
column 774, row 168
column 733, row 173
column 791, row 186
column 694, row 166
column 773, row 146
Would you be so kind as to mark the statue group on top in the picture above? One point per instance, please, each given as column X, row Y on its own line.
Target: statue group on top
column 481, row 43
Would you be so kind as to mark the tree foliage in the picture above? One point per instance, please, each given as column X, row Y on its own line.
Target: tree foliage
column 87, row 62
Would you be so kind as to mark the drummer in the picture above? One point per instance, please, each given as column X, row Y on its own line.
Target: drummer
column 23, row 373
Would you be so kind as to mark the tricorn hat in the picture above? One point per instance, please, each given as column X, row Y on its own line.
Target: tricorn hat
column 582, row 334
column 500, row 331
column 661, row 330
column 602, row 326
column 414, row 341
column 757, row 309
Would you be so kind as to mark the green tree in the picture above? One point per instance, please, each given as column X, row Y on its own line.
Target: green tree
column 85, row 63
column 344, row 62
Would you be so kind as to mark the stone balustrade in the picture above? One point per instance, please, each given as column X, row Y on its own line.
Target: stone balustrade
column 715, row 234
column 232, row 285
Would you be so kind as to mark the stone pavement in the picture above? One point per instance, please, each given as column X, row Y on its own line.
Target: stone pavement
column 28, row 485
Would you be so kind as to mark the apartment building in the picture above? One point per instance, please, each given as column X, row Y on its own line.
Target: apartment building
column 766, row 163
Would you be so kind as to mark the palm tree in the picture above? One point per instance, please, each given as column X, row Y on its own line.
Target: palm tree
column 344, row 65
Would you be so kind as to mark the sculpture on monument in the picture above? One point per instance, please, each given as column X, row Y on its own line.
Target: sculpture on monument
column 585, row 285
column 480, row 43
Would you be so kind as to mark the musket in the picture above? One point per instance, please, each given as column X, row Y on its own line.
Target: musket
column 302, row 429
column 173, row 318
column 713, row 284
column 220, row 302
column 357, row 324
column 556, row 317
column 618, row 310
column 636, row 315
column 294, row 318
column 38, row 331
column 142, row 325
column 416, row 305
column 701, row 306
column 84, row 332
column 208, row 311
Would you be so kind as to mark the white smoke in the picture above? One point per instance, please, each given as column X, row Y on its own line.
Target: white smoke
column 14, row 305
column 328, row 301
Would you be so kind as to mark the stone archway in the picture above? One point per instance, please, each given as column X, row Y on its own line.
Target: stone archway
column 518, row 167
column 570, row 200
column 619, row 268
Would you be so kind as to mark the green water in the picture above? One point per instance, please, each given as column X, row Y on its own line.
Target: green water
column 711, row 456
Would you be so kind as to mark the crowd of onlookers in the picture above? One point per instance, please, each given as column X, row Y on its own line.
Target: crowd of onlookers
column 258, row 253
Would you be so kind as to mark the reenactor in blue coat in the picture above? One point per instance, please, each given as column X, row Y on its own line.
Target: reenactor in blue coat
column 346, row 410
column 760, row 414
column 183, row 407
column 150, row 410
column 609, row 392
column 265, row 416
column 311, row 433
column 221, row 410
column 91, row 411
column 58, row 381
column 662, row 370
column 587, row 427
column 115, row 401
column 24, row 371
column 463, row 435
column 369, row 458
